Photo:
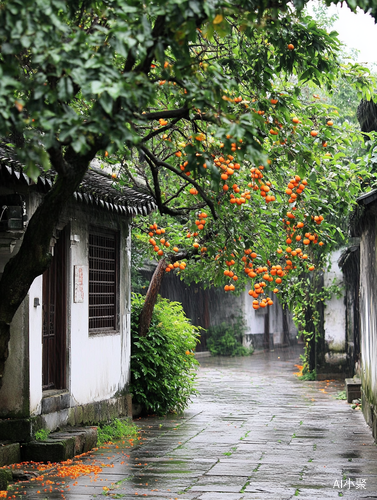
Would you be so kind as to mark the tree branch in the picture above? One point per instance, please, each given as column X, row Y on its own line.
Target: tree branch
column 57, row 160
column 151, row 298
column 205, row 118
column 169, row 113
column 157, row 32
column 176, row 194
column 163, row 129
column 166, row 165
column 163, row 209
column 144, row 67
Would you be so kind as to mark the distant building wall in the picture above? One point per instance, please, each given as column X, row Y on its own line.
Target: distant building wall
column 350, row 263
column 213, row 306
column 368, row 315
column 335, row 314
column 268, row 327
column 334, row 319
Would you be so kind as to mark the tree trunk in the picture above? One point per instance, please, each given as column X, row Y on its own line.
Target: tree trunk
column 151, row 297
column 34, row 257
column 286, row 339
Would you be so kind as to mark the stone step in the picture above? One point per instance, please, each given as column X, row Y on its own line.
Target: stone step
column 16, row 429
column 9, row 453
column 60, row 446
column 353, row 389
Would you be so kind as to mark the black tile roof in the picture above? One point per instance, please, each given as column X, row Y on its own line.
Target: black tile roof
column 97, row 187
column 367, row 198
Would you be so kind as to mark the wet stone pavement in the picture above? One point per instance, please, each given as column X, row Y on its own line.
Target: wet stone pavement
column 255, row 432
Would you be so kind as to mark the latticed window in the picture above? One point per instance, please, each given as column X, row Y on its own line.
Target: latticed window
column 103, row 280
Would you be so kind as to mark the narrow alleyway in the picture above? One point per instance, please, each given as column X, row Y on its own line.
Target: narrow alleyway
column 255, row 432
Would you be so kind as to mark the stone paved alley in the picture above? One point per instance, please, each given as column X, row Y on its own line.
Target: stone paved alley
column 255, row 432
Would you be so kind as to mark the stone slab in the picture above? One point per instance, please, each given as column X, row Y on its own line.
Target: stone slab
column 353, row 389
column 56, row 402
column 9, row 453
column 51, row 450
column 61, row 446
column 16, row 429
column 250, row 434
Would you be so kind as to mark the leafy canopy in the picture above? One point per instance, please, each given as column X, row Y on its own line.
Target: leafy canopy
column 181, row 95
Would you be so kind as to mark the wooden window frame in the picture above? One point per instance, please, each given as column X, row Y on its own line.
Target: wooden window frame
column 100, row 323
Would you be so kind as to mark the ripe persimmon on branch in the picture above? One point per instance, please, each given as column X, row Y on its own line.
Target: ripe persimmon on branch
column 256, row 145
column 167, row 89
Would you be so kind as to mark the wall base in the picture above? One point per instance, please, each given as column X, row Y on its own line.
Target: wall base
column 370, row 414
column 60, row 446
column 22, row 430
column 256, row 340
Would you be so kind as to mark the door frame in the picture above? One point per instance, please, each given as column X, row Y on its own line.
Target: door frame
column 54, row 314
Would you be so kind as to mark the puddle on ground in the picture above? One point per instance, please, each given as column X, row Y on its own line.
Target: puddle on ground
column 351, row 454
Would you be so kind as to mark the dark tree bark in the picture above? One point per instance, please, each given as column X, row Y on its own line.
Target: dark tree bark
column 34, row 255
column 286, row 339
column 151, row 297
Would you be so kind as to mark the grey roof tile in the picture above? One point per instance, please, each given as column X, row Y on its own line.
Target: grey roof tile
column 97, row 187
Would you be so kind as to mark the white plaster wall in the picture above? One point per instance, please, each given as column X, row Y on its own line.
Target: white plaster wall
column 368, row 315
column 125, row 304
column 98, row 364
column 35, row 346
column 276, row 322
column 35, row 329
column 335, row 310
column 292, row 329
column 254, row 322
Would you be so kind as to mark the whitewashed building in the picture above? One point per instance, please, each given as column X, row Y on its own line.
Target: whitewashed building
column 69, row 353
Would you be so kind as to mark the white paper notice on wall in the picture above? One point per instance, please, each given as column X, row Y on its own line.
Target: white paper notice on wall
column 79, row 284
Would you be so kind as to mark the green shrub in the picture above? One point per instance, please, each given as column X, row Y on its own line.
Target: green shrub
column 341, row 395
column 116, row 430
column 308, row 375
column 42, row 435
column 162, row 362
column 226, row 339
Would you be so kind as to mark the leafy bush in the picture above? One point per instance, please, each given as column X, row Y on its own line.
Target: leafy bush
column 308, row 375
column 42, row 435
column 341, row 395
column 116, row 430
column 162, row 362
column 226, row 339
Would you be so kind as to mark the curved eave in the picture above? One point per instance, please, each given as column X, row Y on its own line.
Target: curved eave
column 97, row 188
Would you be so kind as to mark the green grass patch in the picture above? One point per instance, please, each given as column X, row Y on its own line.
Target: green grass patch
column 42, row 435
column 117, row 430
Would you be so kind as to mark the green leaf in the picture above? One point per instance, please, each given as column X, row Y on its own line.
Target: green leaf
column 65, row 89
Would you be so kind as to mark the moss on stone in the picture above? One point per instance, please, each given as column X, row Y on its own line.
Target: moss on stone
column 5, row 478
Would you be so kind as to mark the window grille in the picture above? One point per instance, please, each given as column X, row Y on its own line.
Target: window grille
column 103, row 280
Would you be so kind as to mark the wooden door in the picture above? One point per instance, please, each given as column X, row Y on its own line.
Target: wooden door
column 54, row 304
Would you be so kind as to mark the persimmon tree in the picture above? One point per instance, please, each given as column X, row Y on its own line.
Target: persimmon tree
column 154, row 84
column 255, row 190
